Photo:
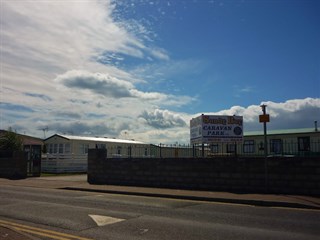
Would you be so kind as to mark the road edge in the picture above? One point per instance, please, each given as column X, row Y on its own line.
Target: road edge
column 261, row 203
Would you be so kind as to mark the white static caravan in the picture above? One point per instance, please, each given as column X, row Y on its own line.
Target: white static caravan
column 67, row 153
column 301, row 142
column 289, row 142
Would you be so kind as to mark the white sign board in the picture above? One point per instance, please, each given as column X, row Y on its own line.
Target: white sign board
column 210, row 128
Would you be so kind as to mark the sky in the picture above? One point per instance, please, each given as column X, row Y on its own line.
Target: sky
column 138, row 69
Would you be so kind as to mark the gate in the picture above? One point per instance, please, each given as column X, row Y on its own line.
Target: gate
column 33, row 153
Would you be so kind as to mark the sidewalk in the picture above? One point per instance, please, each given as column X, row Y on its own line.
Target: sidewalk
column 79, row 183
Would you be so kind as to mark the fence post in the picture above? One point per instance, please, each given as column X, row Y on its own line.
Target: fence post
column 130, row 151
column 202, row 149
column 236, row 149
column 193, row 153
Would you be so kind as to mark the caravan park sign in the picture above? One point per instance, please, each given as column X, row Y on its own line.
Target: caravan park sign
column 210, row 128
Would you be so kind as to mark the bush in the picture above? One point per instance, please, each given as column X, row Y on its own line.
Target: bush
column 11, row 141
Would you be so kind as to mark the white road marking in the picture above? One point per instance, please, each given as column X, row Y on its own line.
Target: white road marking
column 104, row 220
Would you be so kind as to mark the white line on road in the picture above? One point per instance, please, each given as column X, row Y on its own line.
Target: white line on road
column 104, row 220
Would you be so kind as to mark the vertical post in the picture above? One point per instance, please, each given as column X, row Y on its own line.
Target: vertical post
column 265, row 131
column 202, row 149
column 193, row 151
column 265, row 147
column 160, row 150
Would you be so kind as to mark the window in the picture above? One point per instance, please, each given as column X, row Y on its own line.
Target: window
column 55, row 148
column 60, row 147
column 83, row 148
column 261, row 146
column 129, row 151
column 146, row 151
column 100, row 146
column 304, row 144
column 248, row 146
column 119, row 150
column 231, row 148
column 50, row 148
column 276, row 146
column 214, row 148
column 67, row 148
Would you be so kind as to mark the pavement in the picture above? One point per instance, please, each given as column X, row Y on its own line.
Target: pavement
column 79, row 183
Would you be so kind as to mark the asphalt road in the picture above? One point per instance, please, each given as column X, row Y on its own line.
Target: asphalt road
column 62, row 214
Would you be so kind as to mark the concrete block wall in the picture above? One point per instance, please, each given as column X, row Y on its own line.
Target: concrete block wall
column 282, row 175
column 13, row 165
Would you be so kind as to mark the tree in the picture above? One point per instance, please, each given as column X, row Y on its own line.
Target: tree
column 9, row 140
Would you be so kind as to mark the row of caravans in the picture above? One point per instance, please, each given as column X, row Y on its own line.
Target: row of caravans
column 69, row 153
column 66, row 153
column 297, row 142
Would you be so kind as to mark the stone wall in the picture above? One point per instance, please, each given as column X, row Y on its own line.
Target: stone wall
column 281, row 176
column 13, row 165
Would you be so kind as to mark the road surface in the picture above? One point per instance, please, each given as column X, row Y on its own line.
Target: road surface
column 62, row 214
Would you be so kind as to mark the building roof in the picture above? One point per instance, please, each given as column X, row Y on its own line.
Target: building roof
column 31, row 140
column 95, row 139
column 27, row 140
column 282, row 132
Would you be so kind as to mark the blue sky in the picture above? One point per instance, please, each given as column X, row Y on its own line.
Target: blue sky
column 142, row 69
column 236, row 52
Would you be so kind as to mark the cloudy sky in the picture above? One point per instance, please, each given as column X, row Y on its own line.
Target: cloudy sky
column 142, row 69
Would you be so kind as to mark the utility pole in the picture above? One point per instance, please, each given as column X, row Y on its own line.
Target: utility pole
column 264, row 118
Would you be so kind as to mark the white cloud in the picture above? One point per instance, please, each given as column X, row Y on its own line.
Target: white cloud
column 50, row 38
column 168, row 127
column 99, row 83
column 50, row 77
column 160, row 54
column 163, row 119
column 106, row 85
column 49, row 50
column 293, row 105
column 296, row 113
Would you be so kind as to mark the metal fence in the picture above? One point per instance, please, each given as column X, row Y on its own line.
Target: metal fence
column 247, row 148
column 59, row 163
